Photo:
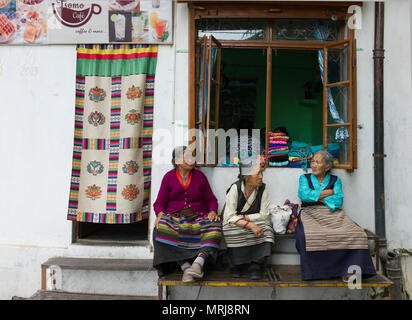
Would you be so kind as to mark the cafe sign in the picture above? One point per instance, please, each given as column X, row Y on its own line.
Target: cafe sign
column 72, row 14
column 32, row 22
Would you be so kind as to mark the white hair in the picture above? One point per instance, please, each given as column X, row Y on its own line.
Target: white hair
column 327, row 158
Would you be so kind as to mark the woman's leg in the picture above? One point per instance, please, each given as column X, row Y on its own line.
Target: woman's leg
column 183, row 264
column 256, row 268
column 235, row 271
column 207, row 254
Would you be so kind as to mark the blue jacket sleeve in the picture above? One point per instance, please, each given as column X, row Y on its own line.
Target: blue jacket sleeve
column 335, row 201
column 305, row 193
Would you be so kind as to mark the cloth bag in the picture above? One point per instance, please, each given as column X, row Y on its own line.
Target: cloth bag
column 280, row 216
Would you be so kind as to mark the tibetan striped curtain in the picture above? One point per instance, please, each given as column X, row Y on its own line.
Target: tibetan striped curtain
column 111, row 170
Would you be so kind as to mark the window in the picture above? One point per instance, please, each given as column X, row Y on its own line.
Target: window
column 293, row 72
column 208, row 94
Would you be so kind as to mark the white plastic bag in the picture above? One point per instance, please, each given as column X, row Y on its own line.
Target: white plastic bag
column 280, row 216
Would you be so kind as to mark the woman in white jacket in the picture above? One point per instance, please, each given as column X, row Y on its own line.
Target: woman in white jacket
column 247, row 227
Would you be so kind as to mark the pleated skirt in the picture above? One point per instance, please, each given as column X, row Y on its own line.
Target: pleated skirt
column 316, row 265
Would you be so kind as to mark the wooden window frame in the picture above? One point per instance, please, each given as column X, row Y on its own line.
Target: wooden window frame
column 207, row 43
column 274, row 10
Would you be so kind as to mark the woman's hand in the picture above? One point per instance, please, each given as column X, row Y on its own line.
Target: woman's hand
column 159, row 216
column 326, row 193
column 258, row 231
column 212, row 216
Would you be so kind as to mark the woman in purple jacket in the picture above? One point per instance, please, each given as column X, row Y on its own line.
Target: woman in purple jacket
column 187, row 227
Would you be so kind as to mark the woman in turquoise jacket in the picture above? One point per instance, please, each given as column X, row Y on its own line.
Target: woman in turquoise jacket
column 329, row 242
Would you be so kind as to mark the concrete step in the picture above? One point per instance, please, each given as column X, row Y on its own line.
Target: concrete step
column 284, row 259
column 62, row 295
column 132, row 277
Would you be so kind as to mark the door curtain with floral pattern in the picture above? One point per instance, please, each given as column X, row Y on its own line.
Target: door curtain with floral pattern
column 111, row 168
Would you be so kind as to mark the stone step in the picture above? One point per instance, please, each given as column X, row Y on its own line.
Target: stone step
column 62, row 295
column 100, row 264
column 134, row 277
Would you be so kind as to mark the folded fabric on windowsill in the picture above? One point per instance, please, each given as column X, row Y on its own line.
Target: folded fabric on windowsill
column 279, row 164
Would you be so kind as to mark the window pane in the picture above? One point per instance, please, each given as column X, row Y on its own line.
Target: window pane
column 200, row 66
column 304, row 29
column 214, row 62
column 338, row 104
column 200, row 81
column 200, row 152
column 199, row 103
column 211, row 146
column 232, row 29
column 206, row 89
column 338, row 63
column 240, row 100
column 212, row 103
column 339, row 150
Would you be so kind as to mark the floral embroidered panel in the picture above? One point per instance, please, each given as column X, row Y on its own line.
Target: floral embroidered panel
column 111, row 170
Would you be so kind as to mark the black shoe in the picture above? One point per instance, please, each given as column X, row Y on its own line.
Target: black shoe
column 235, row 272
column 255, row 271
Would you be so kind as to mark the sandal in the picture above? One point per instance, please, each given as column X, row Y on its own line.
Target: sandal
column 195, row 271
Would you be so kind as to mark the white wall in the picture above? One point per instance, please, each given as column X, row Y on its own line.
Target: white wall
column 397, row 123
column 36, row 138
column 37, row 99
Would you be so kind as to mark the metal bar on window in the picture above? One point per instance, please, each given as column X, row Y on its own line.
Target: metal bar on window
column 268, row 96
column 336, row 84
column 336, row 43
column 338, row 125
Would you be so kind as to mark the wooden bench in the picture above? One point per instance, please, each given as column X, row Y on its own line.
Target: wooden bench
column 370, row 234
column 275, row 276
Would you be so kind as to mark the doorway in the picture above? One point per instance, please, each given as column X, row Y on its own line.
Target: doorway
column 128, row 234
